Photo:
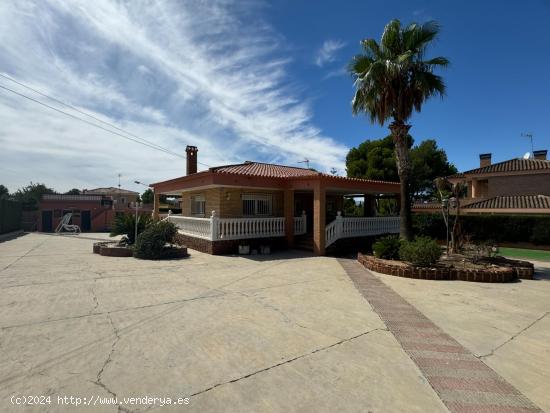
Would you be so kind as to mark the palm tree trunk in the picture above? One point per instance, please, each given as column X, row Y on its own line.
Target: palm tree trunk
column 400, row 131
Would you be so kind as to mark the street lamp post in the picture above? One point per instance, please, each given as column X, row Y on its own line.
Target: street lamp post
column 138, row 205
column 445, row 209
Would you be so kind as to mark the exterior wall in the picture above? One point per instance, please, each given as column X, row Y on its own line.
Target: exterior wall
column 536, row 184
column 229, row 246
column 227, row 202
column 101, row 217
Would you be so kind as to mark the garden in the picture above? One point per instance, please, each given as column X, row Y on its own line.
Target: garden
column 143, row 238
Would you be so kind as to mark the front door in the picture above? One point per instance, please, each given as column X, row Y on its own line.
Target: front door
column 85, row 221
column 47, row 221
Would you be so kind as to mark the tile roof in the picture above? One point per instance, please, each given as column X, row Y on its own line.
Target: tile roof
column 512, row 202
column 512, row 165
column 268, row 170
column 108, row 190
column 264, row 170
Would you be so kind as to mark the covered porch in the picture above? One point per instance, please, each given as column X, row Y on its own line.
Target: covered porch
column 303, row 208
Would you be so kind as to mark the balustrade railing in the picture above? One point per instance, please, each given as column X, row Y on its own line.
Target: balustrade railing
column 350, row 227
column 300, row 224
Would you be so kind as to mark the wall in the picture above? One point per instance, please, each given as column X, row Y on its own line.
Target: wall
column 538, row 184
column 228, row 246
column 227, row 201
column 101, row 217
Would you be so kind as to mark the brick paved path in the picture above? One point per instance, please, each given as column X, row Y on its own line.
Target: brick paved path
column 463, row 382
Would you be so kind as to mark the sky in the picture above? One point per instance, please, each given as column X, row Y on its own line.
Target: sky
column 249, row 80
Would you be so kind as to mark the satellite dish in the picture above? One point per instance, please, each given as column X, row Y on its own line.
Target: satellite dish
column 527, row 155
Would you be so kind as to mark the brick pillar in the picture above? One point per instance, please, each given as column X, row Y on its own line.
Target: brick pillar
column 289, row 216
column 156, row 206
column 319, row 211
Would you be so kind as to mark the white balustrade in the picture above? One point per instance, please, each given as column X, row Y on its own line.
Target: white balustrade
column 241, row 228
column 195, row 227
column 300, row 224
column 350, row 227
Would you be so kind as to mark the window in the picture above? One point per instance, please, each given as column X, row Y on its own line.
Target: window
column 257, row 204
column 198, row 205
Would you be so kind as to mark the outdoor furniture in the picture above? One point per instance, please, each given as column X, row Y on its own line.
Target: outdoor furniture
column 64, row 225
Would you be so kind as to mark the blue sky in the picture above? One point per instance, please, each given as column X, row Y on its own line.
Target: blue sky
column 251, row 80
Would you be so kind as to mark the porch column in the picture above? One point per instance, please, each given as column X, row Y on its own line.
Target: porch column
column 368, row 205
column 289, row 216
column 156, row 206
column 319, row 219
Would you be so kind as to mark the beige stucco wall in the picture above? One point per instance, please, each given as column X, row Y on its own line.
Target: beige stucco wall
column 227, row 202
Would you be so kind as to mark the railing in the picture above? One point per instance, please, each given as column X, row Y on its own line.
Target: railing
column 241, row 228
column 300, row 224
column 215, row 228
column 359, row 227
column 195, row 227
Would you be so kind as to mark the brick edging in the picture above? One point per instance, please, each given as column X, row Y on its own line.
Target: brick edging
column 489, row 275
column 463, row 382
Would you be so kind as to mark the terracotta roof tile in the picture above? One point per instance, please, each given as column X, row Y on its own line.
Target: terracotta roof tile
column 512, row 202
column 264, row 170
column 267, row 170
column 512, row 165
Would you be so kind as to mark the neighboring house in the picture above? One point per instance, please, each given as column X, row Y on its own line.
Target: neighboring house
column 92, row 213
column 122, row 198
column 261, row 202
column 516, row 186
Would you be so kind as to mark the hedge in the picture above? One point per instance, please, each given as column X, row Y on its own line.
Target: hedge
column 497, row 228
column 10, row 216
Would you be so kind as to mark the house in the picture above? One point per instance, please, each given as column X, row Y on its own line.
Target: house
column 94, row 210
column 254, row 202
column 515, row 186
column 122, row 198
column 93, row 213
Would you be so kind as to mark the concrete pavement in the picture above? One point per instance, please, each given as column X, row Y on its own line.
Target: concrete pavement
column 290, row 333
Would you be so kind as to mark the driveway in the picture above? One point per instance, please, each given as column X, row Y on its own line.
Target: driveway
column 286, row 333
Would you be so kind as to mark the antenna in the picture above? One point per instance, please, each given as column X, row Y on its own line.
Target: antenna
column 119, row 175
column 530, row 137
column 333, row 171
column 306, row 161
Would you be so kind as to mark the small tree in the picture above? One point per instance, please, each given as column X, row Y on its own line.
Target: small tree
column 452, row 193
column 148, row 196
column 4, row 192
column 31, row 195
column 125, row 224
column 73, row 191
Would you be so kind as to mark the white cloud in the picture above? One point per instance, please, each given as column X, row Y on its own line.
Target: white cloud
column 327, row 52
column 175, row 72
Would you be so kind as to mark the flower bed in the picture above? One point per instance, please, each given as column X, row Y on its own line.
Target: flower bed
column 439, row 272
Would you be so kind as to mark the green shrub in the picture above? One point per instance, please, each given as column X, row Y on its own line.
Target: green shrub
column 541, row 234
column 150, row 243
column 423, row 251
column 499, row 228
column 125, row 224
column 387, row 247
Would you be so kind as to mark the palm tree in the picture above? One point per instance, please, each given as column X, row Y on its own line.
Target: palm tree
column 392, row 80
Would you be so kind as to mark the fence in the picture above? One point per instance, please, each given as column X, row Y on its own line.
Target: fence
column 10, row 215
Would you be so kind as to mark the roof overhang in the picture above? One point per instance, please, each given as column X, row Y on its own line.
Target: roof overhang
column 208, row 179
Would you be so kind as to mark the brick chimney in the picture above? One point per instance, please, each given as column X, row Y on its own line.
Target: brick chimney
column 540, row 155
column 191, row 152
column 484, row 159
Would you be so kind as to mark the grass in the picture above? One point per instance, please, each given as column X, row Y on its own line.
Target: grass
column 524, row 253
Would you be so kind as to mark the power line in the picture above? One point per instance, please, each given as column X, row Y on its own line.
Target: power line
column 132, row 137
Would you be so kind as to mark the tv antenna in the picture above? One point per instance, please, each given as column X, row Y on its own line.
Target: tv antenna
column 306, row 161
column 530, row 137
column 119, row 175
column 333, row 171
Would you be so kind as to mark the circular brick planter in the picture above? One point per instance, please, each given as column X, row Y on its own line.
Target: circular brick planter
column 402, row 269
column 98, row 245
column 114, row 251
